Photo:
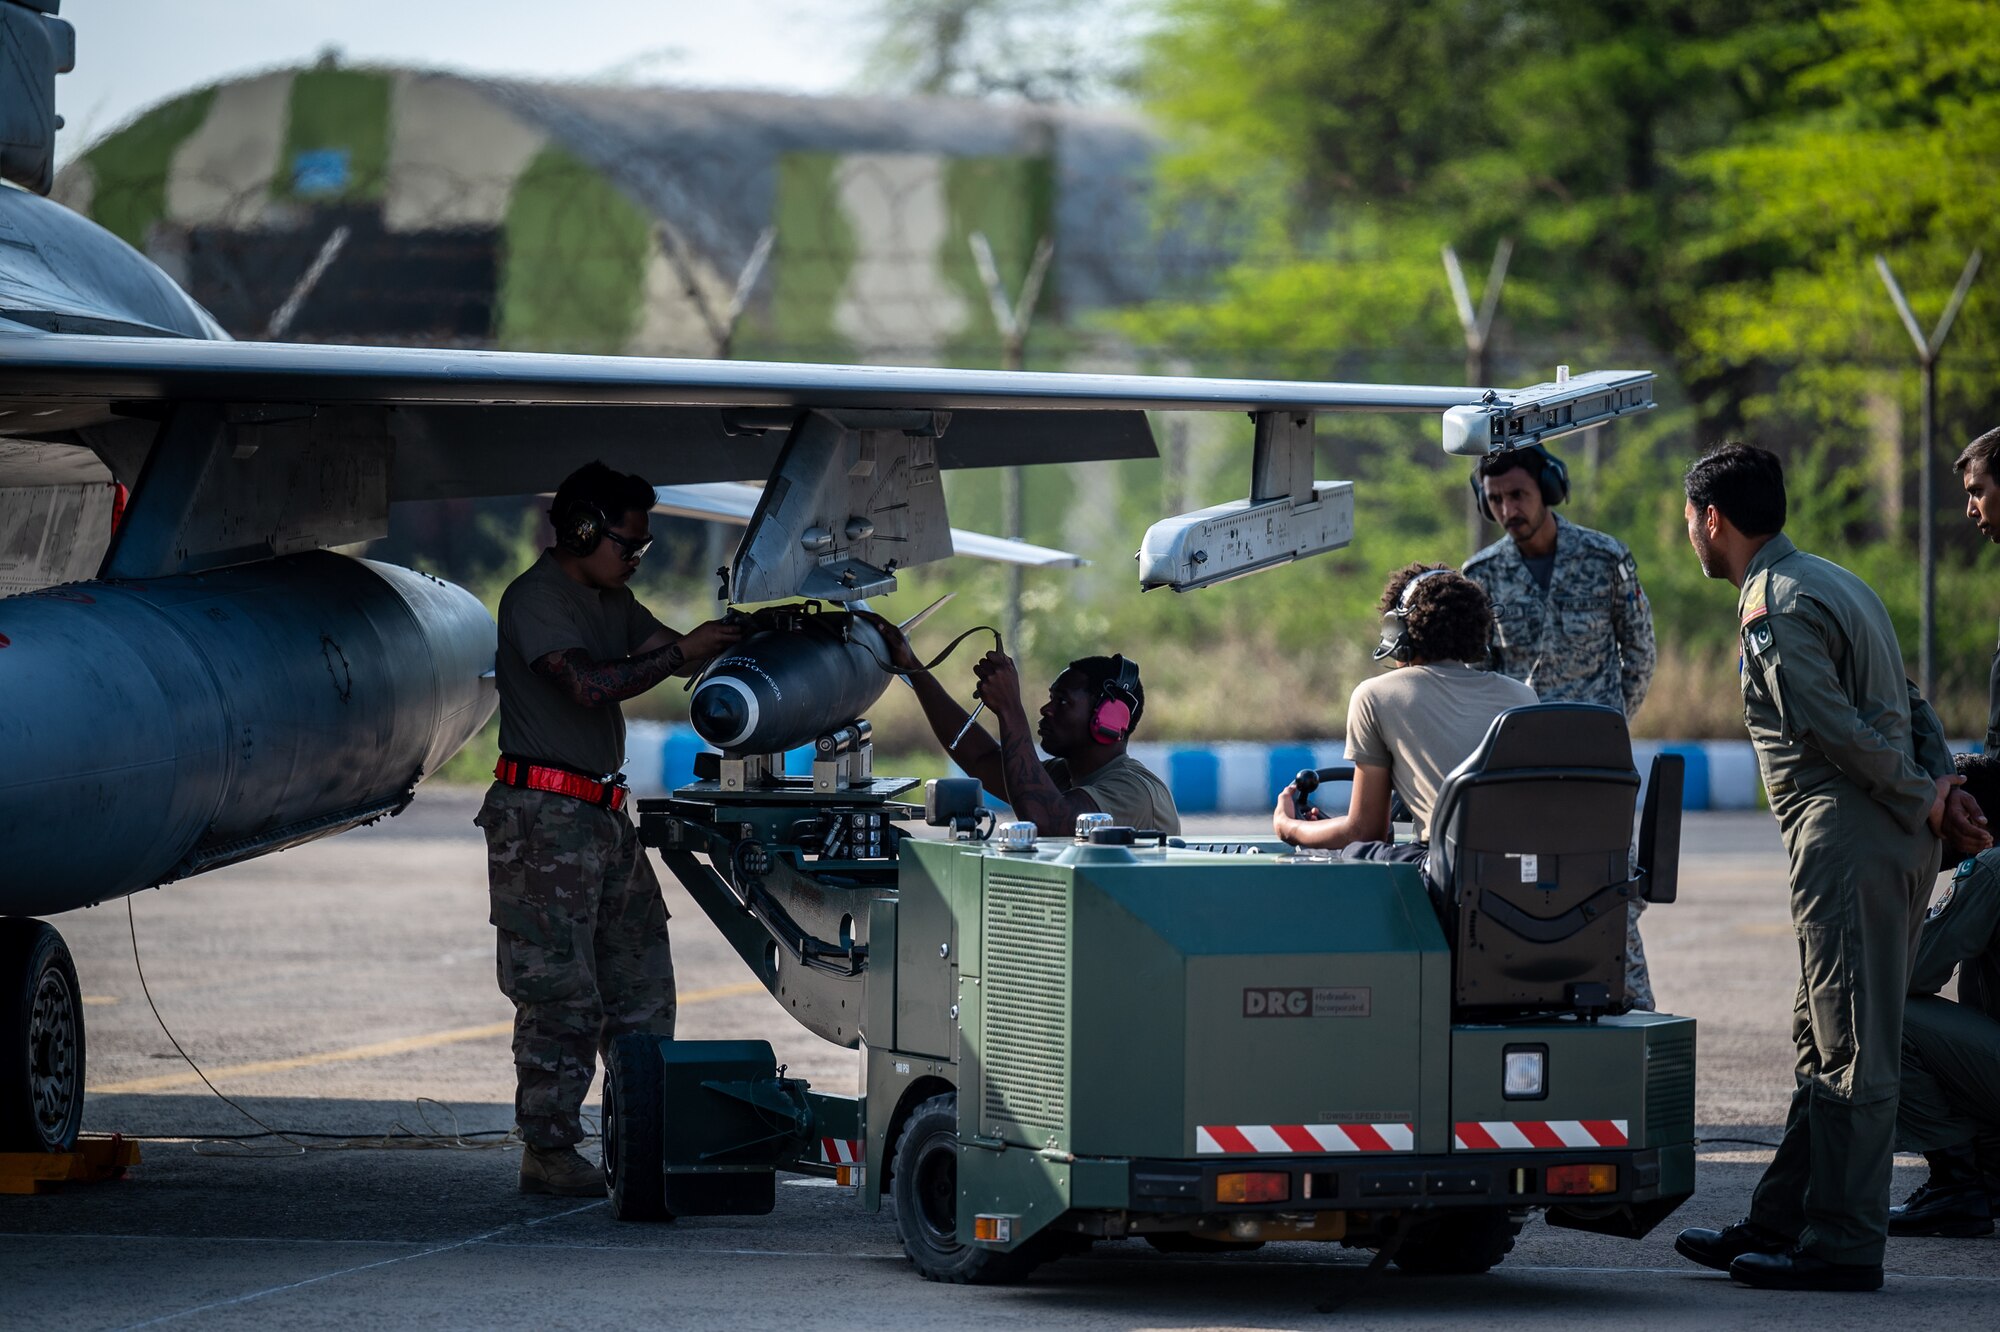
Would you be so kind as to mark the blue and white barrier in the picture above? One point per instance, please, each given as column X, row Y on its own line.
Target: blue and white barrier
column 1245, row 776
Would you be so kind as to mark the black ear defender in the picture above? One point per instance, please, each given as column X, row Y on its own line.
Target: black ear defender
column 1396, row 623
column 580, row 527
column 1553, row 476
column 1117, row 700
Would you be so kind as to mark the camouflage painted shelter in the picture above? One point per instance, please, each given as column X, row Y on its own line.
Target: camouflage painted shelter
column 484, row 212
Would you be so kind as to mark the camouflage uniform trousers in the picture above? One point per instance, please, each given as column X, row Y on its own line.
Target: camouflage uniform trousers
column 1638, row 981
column 582, row 947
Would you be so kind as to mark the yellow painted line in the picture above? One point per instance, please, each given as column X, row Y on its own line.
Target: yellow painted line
column 99, row 1000
column 1765, row 929
column 375, row 1050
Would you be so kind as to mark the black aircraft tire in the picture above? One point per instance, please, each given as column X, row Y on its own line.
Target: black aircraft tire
column 41, row 1040
column 633, row 1174
column 1462, row 1243
column 924, row 1190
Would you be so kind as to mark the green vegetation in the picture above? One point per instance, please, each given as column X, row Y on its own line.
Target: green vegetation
column 1697, row 187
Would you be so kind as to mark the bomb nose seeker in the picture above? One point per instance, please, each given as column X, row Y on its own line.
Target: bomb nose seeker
column 786, row 684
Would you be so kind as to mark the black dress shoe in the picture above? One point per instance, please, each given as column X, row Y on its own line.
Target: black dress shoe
column 1719, row 1248
column 1802, row 1271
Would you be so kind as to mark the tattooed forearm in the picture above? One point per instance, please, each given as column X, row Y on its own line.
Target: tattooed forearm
column 596, row 684
column 1031, row 791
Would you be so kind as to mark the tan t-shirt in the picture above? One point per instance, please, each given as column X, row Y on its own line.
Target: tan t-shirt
column 544, row 611
column 1126, row 790
column 1420, row 722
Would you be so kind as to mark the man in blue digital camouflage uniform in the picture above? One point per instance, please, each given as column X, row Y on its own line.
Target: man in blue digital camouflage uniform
column 1569, row 617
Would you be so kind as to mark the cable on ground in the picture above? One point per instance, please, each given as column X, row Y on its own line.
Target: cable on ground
column 397, row 1137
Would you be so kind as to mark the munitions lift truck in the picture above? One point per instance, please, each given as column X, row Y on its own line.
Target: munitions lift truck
column 1205, row 1045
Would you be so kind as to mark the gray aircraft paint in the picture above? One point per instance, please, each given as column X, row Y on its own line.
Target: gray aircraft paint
column 156, row 729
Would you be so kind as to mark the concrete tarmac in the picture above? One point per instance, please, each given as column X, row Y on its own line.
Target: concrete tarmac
column 346, row 988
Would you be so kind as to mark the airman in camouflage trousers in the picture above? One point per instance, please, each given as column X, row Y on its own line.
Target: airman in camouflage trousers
column 583, row 946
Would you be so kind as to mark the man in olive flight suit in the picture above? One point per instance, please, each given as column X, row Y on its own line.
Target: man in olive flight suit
column 1830, row 713
column 1978, row 468
column 1570, row 619
column 1950, row 1104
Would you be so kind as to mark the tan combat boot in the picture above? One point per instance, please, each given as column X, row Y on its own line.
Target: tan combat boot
column 560, row 1170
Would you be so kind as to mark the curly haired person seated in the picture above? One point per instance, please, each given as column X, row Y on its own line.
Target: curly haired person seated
column 1407, row 729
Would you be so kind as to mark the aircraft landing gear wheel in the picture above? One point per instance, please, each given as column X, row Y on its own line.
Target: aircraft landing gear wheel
column 924, row 1189
column 41, row 1040
column 631, row 1129
column 1461, row 1244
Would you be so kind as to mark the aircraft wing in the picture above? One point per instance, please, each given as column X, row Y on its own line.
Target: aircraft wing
column 467, row 423
column 733, row 502
column 240, row 451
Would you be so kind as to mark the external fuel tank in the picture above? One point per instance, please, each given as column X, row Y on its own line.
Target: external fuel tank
column 151, row 730
column 801, row 677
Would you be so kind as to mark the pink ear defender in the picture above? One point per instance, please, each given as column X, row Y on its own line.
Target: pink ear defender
column 1110, row 721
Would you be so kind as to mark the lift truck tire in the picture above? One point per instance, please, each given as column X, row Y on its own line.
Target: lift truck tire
column 632, row 1119
column 1459, row 1244
column 924, row 1189
column 41, row 1040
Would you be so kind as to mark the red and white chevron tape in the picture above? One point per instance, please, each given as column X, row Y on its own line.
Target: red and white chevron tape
column 1502, row 1135
column 1236, row 1139
column 841, row 1151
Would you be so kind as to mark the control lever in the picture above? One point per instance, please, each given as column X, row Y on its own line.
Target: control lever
column 1309, row 779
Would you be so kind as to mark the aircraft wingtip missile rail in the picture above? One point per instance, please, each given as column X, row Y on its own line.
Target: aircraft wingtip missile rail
column 1290, row 516
column 1517, row 418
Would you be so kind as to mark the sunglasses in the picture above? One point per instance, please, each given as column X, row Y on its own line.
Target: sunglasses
column 632, row 548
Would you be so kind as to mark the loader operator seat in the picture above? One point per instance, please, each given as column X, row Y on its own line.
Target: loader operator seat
column 1531, row 861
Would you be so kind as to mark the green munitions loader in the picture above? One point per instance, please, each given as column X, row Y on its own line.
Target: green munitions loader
column 1205, row 1045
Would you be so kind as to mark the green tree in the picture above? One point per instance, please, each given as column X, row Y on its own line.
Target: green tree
column 1693, row 185
column 1352, row 131
column 1885, row 140
column 1036, row 50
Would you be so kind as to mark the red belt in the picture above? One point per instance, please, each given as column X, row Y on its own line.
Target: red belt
column 536, row 777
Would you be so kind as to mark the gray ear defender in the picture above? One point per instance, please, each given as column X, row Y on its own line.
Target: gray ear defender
column 1553, row 478
column 1396, row 624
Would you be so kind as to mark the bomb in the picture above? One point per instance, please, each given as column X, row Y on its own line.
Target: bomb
column 800, row 674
